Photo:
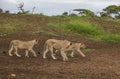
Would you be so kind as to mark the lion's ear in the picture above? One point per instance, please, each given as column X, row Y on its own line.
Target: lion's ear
column 36, row 40
column 82, row 44
column 71, row 43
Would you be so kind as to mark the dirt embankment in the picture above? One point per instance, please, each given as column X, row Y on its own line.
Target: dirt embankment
column 103, row 63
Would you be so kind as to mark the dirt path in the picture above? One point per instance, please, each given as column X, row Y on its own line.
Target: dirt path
column 100, row 64
column 103, row 63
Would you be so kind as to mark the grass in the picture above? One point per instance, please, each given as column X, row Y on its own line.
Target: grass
column 88, row 50
column 82, row 27
column 111, row 38
column 79, row 25
column 45, row 32
column 6, row 29
column 97, row 29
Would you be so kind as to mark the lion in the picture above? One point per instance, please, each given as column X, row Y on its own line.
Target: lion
column 75, row 47
column 60, row 45
column 18, row 44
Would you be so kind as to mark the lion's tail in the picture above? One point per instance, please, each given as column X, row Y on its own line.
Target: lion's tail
column 44, row 46
column 11, row 45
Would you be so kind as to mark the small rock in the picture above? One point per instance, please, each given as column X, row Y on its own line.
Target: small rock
column 110, row 67
column 12, row 75
column 117, row 73
column 22, row 75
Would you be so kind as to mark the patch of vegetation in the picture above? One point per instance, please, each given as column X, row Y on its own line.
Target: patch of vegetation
column 82, row 27
column 93, row 30
column 6, row 29
column 45, row 32
column 41, row 14
column 111, row 38
column 88, row 50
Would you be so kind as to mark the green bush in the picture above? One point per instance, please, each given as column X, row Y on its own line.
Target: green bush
column 82, row 27
column 93, row 30
column 111, row 37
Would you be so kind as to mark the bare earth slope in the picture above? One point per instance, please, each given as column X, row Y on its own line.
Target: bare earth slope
column 103, row 63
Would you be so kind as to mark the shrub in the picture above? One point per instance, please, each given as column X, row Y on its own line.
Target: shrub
column 82, row 27
column 111, row 37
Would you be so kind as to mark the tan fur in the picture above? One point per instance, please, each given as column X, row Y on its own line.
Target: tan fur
column 27, row 45
column 75, row 47
column 60, row 45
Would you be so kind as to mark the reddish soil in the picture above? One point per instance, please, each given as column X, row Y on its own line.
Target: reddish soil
column 103, row 63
